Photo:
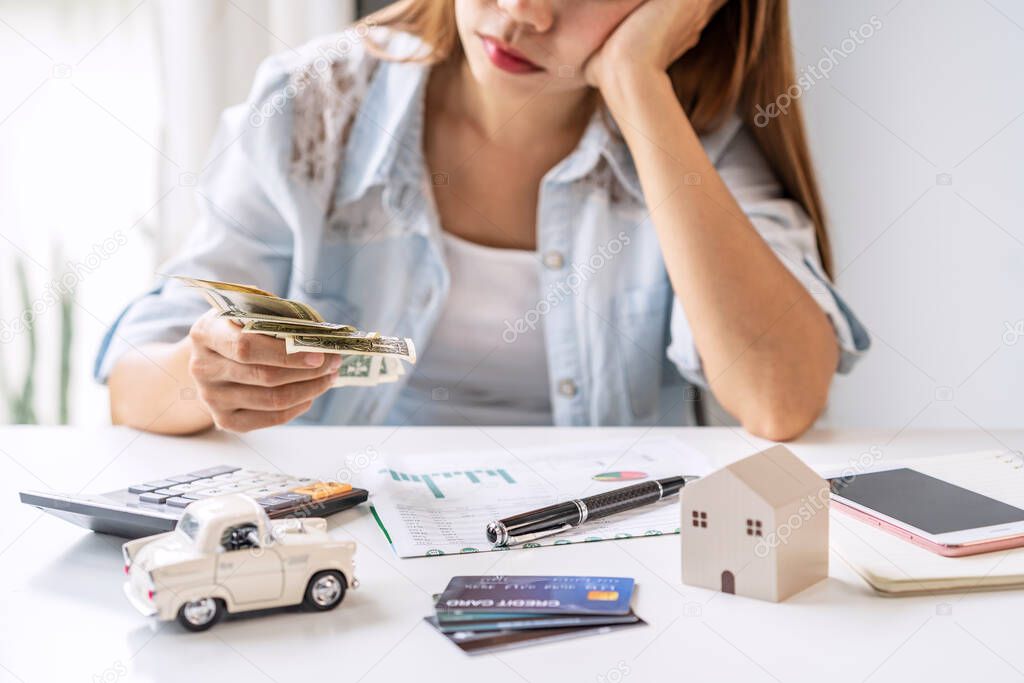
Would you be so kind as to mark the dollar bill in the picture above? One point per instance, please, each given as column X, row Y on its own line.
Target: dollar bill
column 394, row 366
column 397, row 347
column 369, row 358
column 221, row 286
column 246, row 302
column 283, row 329
column 361, row 370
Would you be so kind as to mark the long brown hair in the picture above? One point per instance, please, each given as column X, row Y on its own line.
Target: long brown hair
column 743, row 62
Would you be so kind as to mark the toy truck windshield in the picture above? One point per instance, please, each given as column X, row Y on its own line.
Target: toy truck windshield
column 211, row 531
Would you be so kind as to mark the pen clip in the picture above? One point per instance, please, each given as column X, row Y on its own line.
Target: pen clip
column 525, row 538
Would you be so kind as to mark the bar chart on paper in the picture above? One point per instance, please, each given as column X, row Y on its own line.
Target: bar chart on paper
column 440, row 504
column 435, row 480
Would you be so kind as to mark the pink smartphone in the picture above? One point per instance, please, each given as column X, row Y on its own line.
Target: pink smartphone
column 939, row 516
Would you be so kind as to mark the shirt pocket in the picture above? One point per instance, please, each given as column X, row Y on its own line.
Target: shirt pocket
column 641, row 335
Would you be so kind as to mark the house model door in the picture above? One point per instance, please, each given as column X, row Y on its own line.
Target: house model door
column 728, row 582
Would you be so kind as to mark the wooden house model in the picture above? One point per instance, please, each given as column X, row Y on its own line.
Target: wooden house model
column 757, row 527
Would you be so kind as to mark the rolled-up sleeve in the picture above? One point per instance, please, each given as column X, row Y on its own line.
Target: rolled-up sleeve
column 241, row 234
column 789, row 231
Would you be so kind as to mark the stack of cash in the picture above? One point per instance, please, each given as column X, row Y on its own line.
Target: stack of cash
column 368, row 358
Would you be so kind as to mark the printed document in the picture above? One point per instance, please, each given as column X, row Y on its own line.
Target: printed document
column 440, row 504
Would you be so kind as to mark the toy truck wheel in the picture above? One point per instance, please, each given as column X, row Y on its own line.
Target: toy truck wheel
column 325, row 591
column 201, row 614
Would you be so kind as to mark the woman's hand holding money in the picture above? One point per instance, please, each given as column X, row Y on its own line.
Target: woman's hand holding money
column 249, row 381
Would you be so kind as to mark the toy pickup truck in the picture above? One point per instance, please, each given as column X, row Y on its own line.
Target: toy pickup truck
column 226, row 555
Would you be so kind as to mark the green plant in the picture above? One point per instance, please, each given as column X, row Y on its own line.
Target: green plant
column 67, row 324
column 20, row 403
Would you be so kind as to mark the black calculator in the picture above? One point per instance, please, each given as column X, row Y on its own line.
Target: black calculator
column 154, row 507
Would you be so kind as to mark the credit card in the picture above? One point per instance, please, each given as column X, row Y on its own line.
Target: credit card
column 520, row 622
column 505, row 595
column 478, row 643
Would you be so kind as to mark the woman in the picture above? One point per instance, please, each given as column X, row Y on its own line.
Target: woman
column 566, row 204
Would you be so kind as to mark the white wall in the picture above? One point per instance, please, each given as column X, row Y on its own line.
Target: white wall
column 933, row 269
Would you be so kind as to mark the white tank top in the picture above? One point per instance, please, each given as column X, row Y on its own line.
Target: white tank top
column 477, row 369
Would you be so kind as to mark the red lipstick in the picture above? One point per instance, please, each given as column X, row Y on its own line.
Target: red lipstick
column 506, row 58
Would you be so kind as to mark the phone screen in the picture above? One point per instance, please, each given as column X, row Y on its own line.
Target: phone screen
column 932, row 505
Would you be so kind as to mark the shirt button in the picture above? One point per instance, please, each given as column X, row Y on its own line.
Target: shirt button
column 554, row 260
column 567, row 387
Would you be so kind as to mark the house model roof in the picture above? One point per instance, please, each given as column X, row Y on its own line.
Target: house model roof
column 776, row 475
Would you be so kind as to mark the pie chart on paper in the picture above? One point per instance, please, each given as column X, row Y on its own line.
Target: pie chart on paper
column 624, row 475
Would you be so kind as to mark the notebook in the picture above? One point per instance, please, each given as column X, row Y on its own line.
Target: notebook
column 893, row 566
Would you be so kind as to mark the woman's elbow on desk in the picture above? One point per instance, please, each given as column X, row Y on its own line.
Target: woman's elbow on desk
column 784, row 402
column 784, row 412
column 781, row 425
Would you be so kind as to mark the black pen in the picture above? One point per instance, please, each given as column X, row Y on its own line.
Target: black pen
column 554, row 519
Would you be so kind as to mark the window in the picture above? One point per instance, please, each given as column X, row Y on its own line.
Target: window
column 700, row 519
column 241, row 537
column 188, row 525
column 754, row 527
column 72, row 102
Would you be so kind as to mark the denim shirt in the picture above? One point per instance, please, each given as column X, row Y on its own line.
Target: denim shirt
column 318, row 190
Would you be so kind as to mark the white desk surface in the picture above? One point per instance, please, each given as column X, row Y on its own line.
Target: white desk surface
column 63, row 616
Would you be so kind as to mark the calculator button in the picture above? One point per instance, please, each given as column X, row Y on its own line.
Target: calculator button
column 178, row 502
column 236, row 476
column 324, row 489
column 233, row 488
column 159, row 484
column 270, row 482
column 154, row 497
column 296, row 498
column 213, row 471
column 142, row 488
column 264, row 491
column 272, row 503
column 208, row 493
column 184, row 478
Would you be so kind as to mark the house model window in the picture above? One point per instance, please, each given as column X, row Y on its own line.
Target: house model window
column 754, row 527
column 700, row 519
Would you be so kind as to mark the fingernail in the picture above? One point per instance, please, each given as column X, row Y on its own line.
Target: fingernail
column 314, row 360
